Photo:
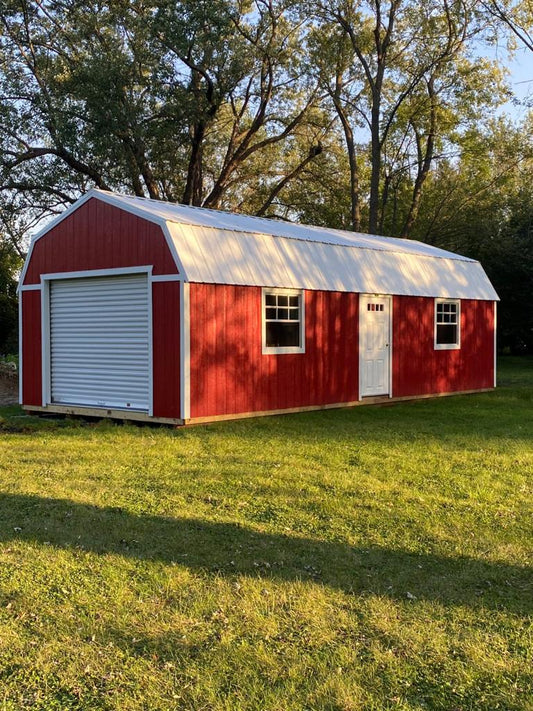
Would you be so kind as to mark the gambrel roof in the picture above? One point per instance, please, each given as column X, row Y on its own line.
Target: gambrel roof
column 213, row 246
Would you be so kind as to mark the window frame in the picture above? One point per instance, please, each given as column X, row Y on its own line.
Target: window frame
column 279, row 350
column 447, row 346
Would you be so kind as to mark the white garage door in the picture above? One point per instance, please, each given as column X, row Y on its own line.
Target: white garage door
column 99, row 342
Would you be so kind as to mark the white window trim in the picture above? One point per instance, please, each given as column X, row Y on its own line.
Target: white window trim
column 272, row 350
column 447, row 346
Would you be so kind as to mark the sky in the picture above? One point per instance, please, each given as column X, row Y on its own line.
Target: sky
column 520, row 78
column 522, row 74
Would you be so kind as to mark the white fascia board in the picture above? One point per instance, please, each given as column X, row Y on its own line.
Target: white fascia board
column 50, row 226
column 110, row 199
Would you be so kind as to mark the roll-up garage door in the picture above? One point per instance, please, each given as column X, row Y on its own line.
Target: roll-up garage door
column 99, row 342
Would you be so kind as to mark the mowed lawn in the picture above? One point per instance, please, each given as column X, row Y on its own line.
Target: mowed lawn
column 372, row 558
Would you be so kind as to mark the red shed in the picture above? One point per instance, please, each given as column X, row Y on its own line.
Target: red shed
column 148, row 310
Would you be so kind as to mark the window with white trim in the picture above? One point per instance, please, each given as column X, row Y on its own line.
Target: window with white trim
column 283, row 321
column 447, row 324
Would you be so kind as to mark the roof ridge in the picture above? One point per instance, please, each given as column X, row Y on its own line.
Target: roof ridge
column 450, row 255
column 345, row 234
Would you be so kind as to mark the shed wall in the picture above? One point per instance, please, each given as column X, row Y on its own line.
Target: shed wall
column 419, row 369
column 100, row 236
column 229, row 374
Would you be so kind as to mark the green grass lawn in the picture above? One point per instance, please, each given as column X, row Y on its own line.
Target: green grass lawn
column 373, row 558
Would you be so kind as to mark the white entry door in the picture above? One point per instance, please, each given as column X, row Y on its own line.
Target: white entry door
column 374, row 345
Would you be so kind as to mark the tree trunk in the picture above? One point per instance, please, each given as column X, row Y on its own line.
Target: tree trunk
column 373, row 212
column 424, row 162
column 192, row 194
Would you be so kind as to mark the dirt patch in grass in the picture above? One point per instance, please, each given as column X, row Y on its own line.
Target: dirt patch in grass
column 8, row 389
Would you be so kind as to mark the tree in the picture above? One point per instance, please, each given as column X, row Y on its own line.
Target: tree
column 394, row 71
column 136, row 96
column 481, row 205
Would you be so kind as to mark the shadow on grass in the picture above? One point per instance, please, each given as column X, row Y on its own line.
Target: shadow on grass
column 232, row 550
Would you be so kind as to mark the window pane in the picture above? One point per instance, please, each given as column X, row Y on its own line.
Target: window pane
column 447, row 334
column 283, row 300
column 293, row 300
column 270, row 299
column 293, row 314
column 282, row 334
column 283, row 314
column 270, row 313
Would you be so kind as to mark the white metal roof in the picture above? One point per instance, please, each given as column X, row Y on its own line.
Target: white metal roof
column 223, row 257
column 220, row 220
column 218, row 247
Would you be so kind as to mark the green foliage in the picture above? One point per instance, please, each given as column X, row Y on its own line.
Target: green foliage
column 350, row 114
column 372, row 558
column 9, row 264
column 481, row 205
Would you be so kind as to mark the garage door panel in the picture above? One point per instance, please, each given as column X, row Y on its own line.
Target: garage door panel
column 99, row 342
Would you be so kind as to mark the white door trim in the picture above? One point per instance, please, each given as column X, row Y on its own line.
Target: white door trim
column 46, row 279
column 363, row 300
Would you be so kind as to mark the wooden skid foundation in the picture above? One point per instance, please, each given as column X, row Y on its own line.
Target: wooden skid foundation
column 380, row 400
column 102, row 413
column 143, row 417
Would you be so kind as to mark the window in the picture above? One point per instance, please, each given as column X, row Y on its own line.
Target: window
column 447, row 324
column 283, row 321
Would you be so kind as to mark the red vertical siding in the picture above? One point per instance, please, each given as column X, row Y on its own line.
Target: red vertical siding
column 229, row 374
column 31, row 348
column 100, row 236
column 419, row 369
column 166, row 348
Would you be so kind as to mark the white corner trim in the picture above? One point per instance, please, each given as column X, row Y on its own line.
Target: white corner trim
column 270, row 350
column 391, row 344
column 357, row 355
column 150, row 345
column 20, row 349
column 185, row 351
column 495, row 342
